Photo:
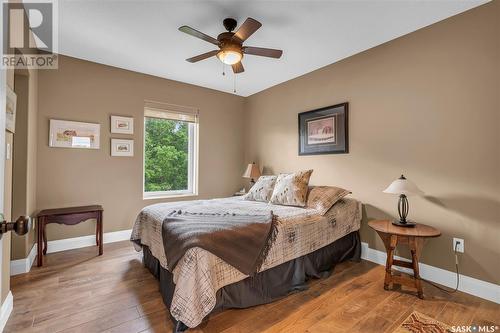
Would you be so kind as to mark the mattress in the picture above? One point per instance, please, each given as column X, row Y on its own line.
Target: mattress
column 199, row 274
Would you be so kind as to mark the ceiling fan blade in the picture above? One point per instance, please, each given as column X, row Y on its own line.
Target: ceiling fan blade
column 203, row 56
column 263, row 52
column 247, row 29
column 198, row 34
column 238, row 68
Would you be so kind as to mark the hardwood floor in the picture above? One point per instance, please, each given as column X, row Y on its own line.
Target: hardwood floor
column 76, row 291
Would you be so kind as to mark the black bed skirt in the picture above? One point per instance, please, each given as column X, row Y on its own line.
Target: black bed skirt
column 272, row 284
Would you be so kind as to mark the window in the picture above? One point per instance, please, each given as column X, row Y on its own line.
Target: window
column 170, row 150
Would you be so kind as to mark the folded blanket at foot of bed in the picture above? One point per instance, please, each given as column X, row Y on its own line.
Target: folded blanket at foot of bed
column 241, row 240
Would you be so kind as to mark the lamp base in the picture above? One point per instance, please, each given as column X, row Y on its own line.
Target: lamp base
column 403, row 224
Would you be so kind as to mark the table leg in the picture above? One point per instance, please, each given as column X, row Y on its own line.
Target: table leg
column 39, row 245
column 44, row 235
column 100, row 233
column 393, row 241
column 415, row 248
column 390, row 242
column 97, row 230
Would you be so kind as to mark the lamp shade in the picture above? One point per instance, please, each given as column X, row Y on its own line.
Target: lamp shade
column 403, row 186
column 252, row 171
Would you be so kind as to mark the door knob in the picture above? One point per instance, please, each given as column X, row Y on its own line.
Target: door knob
column 21, row 226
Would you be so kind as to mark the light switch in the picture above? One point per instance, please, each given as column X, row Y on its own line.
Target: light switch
column 8, row 152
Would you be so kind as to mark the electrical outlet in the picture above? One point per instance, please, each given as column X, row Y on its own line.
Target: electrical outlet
column 458, row 244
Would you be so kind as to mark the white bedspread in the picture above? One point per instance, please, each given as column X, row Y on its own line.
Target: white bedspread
column 199, row 274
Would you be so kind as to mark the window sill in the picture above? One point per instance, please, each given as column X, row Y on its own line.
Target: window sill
column 167, row 196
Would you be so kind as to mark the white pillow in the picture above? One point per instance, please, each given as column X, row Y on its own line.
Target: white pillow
column 262, row 190
column 291, row 189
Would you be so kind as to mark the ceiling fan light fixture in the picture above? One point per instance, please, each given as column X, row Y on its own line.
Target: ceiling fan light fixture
column 230, row 44
column 230, row 57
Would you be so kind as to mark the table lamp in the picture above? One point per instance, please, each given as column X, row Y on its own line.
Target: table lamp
column 403, row 187
column 252, row 172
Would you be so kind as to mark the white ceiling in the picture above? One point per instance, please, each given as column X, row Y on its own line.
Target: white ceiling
column 142, row 36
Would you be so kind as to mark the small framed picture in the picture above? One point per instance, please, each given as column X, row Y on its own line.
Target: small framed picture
column 10, row 116
column 74, row 134
column 324, row 131
column 122, row 125
column 121, row 147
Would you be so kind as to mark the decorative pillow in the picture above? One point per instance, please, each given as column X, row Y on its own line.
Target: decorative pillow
column 291, row 189
column 322, row 198
column 262, row 189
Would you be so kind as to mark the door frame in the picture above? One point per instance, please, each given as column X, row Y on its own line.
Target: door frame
column 3, row 92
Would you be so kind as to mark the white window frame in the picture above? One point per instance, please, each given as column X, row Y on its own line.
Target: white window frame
column 192, row 190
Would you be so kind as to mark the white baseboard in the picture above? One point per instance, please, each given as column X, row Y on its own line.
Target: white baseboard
column 6, row 310
column 469, row 285
column 84, row 241
column 24, row 265
column 21, row 266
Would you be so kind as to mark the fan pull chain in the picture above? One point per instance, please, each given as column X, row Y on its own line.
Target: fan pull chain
column 234, row 83
column 223, row 69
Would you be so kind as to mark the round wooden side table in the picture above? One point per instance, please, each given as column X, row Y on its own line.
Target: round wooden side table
column 414, row 237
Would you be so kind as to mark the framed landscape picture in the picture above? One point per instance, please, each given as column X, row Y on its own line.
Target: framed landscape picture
column 121, row 147
column 122, row 125
column 74, row 134
column 324, row 131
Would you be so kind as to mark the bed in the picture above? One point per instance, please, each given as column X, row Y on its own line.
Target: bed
column 307, row 245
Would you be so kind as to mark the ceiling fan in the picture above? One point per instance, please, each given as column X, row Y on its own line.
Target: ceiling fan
column 231, row 49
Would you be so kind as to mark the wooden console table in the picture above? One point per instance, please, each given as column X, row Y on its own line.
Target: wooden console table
column 414, row 237
column 67, row 216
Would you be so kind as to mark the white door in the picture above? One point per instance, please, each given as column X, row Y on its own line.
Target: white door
column 2, row 158
column 3, row 89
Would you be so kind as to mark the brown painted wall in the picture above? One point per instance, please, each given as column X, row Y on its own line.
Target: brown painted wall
column 426, row 105
column 31, row 171
column 19, row 160
column 89, row 92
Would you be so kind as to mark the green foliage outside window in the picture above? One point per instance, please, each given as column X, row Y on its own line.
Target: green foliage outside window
column 166, row 155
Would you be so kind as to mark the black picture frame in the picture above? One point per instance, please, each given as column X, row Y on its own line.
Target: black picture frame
column 324, row 130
